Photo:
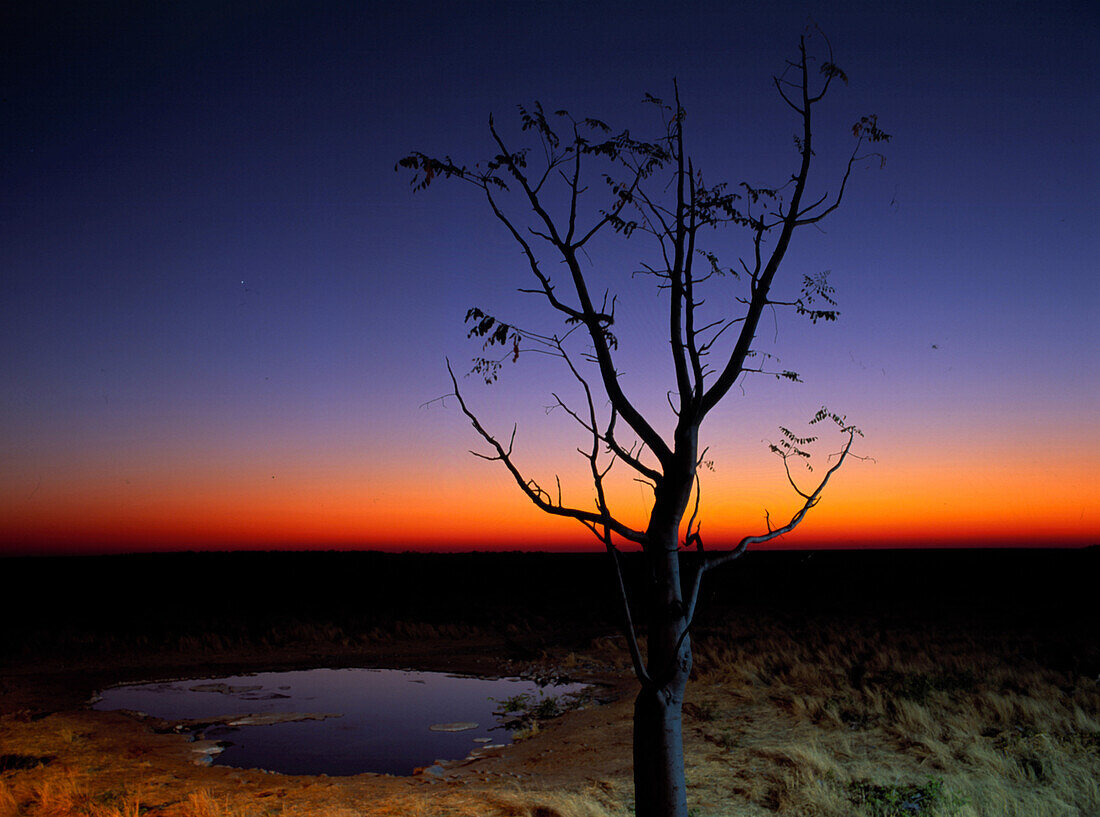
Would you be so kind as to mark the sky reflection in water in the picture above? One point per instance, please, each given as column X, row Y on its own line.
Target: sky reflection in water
column 383, row 726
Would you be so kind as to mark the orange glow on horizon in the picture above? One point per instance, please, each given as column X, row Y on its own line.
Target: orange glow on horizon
column 908, row 496
column 869, row 506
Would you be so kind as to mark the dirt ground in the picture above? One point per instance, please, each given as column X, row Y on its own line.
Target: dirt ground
column 819, row 682
column 44, row 715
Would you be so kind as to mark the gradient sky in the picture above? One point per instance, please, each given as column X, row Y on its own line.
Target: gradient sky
column 223, row 310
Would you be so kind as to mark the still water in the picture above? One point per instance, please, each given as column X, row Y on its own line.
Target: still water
column 377, row 720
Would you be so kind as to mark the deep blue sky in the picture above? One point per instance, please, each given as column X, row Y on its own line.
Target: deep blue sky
column 212, row 271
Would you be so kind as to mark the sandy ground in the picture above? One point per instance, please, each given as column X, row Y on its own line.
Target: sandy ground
column 1026, row 619
column 44, row 714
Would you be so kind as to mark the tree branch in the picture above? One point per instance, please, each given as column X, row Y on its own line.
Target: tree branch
column 762, row 285
column 536, row 494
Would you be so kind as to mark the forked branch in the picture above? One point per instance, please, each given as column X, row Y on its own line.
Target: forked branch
column 531, row 488
column 811, row 499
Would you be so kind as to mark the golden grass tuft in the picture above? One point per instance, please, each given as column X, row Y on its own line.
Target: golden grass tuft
column 488, row 803
column 66, row 795
column 203, row 804
column 9, row 806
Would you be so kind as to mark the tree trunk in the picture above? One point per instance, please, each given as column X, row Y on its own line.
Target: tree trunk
column 659, row 786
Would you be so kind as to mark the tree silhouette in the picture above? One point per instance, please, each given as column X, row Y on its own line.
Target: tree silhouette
column 653, row 188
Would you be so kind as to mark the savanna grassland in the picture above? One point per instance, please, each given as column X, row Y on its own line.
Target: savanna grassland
column 888, row 684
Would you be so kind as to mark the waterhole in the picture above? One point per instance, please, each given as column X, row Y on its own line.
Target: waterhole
column 340, row 721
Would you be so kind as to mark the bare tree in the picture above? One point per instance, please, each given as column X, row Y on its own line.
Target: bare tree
column 653, row 188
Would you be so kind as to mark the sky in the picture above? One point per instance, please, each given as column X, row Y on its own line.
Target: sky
column 226, row 318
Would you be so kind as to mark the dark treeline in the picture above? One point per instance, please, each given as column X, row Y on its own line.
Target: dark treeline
column 87, row 602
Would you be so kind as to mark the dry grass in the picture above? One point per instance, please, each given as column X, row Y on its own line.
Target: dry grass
column 9, row 806
column 66, row 795
column 592, row 803
column 842, row 719
column 838, row 720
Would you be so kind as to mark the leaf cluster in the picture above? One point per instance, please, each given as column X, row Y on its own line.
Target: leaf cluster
column 867, row 127
column 791, row 445
column 840, row 420
column 426, row 168
column 814, row 288
column 831, row 70
column 715, row 205
column 495, row 333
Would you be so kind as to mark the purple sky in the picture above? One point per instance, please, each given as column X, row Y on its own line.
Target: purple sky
column 211, row 268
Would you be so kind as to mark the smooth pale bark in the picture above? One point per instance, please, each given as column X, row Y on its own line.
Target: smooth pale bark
column 659, row 784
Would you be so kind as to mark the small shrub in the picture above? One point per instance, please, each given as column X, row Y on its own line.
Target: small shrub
column 16, row 762
column 521, row 714
column 904, row 800
column 548, row 707
column 918, row 686
column 725, row 740
column 704, row 711
column 516, row 703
